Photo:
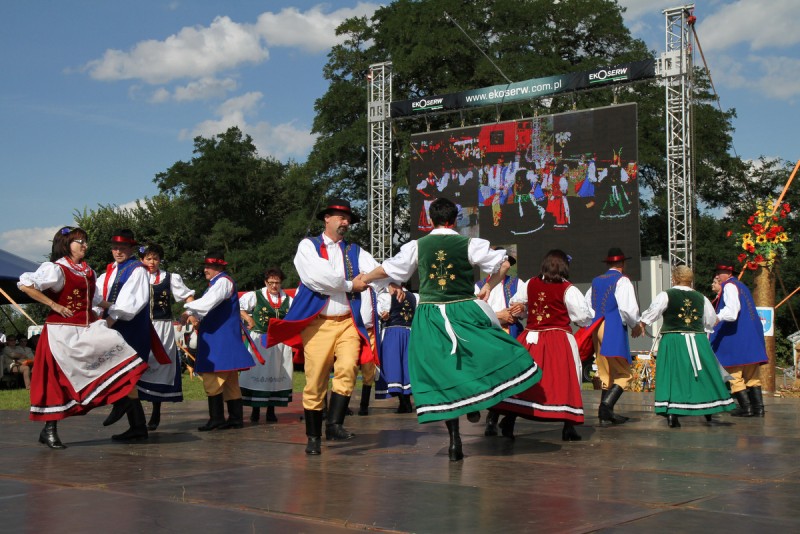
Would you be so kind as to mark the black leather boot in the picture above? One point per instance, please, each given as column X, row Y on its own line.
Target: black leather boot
column 336, row 412
column 756, row 400
column 255, row 415
column 155, row 416
column 216, row 412
column 138, row 424
column 606, row 411
column 235, row 413
column 745, row 409
column 569, row 433
column 672, row 421
column 507, row 426
column 363, row 408
column 118, row 409
column 49, row 436
column 491, row 424
column 313, row 431
column 454, row 451
column 271, row 418
column 474, row 417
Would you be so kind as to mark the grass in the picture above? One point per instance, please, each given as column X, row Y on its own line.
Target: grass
column 19, row 399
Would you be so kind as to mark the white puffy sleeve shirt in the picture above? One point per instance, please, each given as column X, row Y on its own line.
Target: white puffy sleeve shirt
column 216, row 295
column 132, row 297
column 659, row 306
column 579, row 312
column 730, row 312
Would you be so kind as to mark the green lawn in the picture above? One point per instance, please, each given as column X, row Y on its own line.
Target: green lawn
column 18, row 399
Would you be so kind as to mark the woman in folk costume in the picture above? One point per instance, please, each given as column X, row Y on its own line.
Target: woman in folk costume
column 394, row 380
column 270, row 384
column 688, row 379
column 80, row 363
column 162, row 383
column 552, row 302
column 460, row 360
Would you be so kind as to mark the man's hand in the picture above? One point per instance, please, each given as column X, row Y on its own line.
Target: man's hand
column 110, row 322
column 517, row 309
column 505, row 317
column 358, row 284
column 638, row 330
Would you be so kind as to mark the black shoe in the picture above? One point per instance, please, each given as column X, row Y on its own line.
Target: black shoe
column 336, row 412
column 216, row 412
column 474, row 417
column 605, row 411
column 507, row 426
column 455, row 451
column 118, row 409
column 756, row 400
column 271, row 418
column 672, row 421
column 49, row 436
column 155, row 416
column 745, row 409
column 313, row 432
column 569, row 433
column 491, row 424
column 235, row 413
column 137, row 422
column 363, row 408
column 709, row 417
column 255, row 415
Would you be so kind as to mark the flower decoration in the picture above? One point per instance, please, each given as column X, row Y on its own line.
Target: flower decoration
column 142, row 249
column 762, row 242
column 65, row 230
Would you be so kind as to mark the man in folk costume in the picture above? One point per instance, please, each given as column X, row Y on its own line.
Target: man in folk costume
column 613, row 300
column 460, row 360
column 221, row 350
column 325, row 320
column 738, row 342
column 125, row 291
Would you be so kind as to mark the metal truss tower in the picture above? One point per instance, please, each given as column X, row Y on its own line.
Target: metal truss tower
column 675, row 67
column 380, row 160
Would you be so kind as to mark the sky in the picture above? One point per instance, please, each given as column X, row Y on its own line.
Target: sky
column 98, row 96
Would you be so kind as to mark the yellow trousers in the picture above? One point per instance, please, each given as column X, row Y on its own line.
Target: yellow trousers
column 329, row 342
column 744, row 376
column 612, row 371
column 225, row 382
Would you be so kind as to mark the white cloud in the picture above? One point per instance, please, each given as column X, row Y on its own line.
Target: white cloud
column 280, row 141
column 312, row 30
column 758, row 25
column 202, row 89
column 30, row 243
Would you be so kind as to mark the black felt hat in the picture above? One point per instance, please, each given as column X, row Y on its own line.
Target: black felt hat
column 338, row 204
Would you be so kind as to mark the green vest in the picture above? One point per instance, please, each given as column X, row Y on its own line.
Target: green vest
column 684, row 311
column 445, row 274
column 263, row 311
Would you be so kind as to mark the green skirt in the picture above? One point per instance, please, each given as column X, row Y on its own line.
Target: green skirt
column 686, row 384
column 459, row 361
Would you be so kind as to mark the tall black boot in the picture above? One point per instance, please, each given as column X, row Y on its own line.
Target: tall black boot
column 491, row 423
column 216, row 412
column 119, row 409
column 235, row 413
column 507, row 426
column 255, row 415
column 672, row 421
column 363, row 409
column 313, row 431
column 756, row 400
column 336, row 411
column 49, row 436
column 155, row 416
column 454, row 451
column 606, row 411
column 568, row 433
column 745, row 409
column 137, row 421
column 271, row 418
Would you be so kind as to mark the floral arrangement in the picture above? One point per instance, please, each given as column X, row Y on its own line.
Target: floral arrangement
column 762, row 241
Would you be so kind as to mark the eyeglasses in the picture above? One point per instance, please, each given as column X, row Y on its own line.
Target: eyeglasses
column 81, row 242
column 273, row 283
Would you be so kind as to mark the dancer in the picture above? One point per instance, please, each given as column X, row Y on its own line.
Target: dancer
column 162, row 383
column 394, row 379
column 270, row 384
column 552, row 303
column 460, row 360
column 688, row 381
column 80, row 363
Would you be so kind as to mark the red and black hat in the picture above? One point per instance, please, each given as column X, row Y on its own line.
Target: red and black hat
column 123, row 237
column 722, row 267
column 338, row 204
column 215, row 258
column 615, row 254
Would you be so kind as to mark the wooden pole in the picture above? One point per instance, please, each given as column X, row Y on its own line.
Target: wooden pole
column 17, row 306
column 764, row 296
column 778, row 305
column 785, row 188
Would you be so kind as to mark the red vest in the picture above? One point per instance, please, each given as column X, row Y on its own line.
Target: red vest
column 546, row 307
column 76, row 295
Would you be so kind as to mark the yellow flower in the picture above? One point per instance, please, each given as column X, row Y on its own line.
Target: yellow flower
column 771, row 255
column 746, row 237
column 783, row 237
column 761, row 239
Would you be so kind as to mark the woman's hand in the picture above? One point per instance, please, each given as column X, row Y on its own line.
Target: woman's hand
column 63, row 311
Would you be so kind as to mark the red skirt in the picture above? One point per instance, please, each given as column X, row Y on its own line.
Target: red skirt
column 53, row 396
column 557, row 396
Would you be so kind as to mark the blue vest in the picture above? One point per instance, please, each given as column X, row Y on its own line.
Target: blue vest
column 615, row 342
column 739, row 342
column 509, row 290
column 136, row 331
column 221, row 343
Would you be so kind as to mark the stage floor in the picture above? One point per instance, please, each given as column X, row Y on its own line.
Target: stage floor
column 736, row 475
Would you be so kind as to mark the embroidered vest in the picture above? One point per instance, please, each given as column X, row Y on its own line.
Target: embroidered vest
column 445, row 274
column 402, row 313
column 684, row 312
column 160, row 299
column 546, row 307
column 739, row 342
column 264, row 311
column 76, row 295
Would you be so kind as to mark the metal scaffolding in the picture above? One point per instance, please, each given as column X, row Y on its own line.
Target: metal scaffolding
column 380, row 160
column 675, row 67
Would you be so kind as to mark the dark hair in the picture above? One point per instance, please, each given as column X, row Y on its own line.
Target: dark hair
column 443, row 211
column 555, row 267
column 275, row 271
column 61, row 241
column 153, row 248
